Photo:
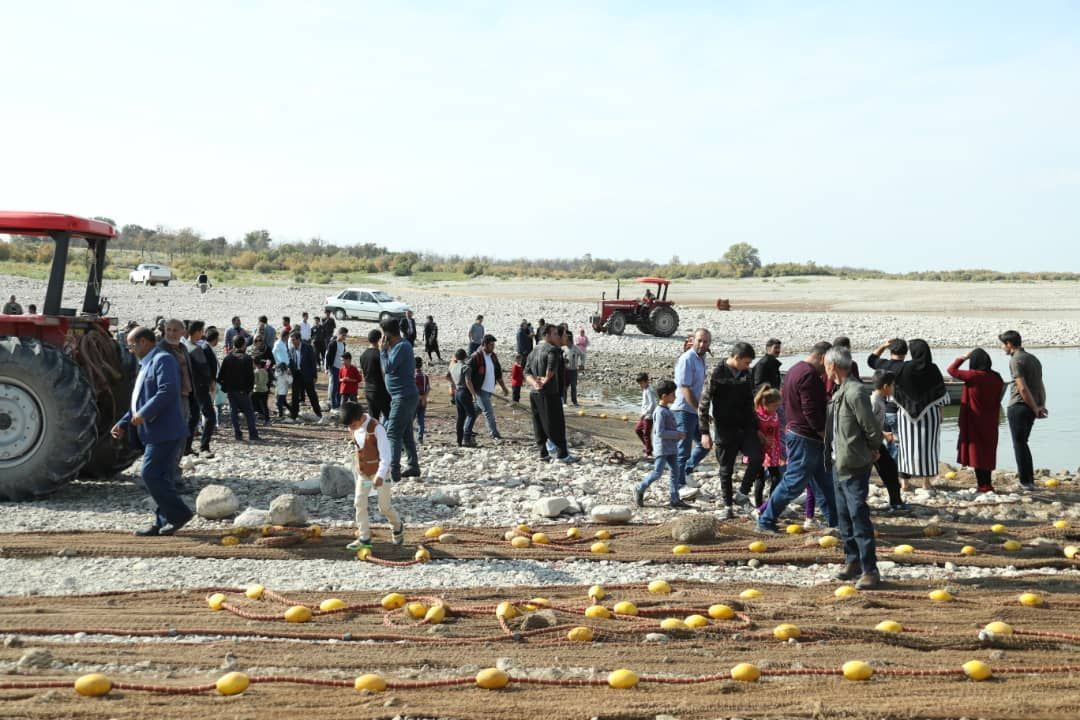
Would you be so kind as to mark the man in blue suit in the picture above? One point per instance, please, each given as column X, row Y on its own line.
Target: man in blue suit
column 155, row 414
column 304, row 372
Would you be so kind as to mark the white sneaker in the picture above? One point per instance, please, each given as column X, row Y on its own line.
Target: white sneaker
column 692, row 482
column 809, row 524
column 322, row 420
column 729, row 513
column 688, row 493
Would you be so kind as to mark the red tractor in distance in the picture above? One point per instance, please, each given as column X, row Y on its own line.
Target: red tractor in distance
column 652, row 312
column 64, row 378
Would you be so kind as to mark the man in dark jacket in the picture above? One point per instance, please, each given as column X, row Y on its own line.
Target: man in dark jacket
column 237, row 380
column 304, row 372
column 525, row 338
column 485, row 373
column 767, row 369
column 408, row 329
column 804, row 438
column 729, row 396
column 204, row 368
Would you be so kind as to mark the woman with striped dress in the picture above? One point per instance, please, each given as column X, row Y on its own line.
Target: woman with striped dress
column 920, row 394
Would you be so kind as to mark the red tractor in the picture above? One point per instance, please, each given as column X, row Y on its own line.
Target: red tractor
column 64, row 378
column 653, row 313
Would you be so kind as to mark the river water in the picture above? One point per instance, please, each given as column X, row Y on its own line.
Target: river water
column 1051, row 440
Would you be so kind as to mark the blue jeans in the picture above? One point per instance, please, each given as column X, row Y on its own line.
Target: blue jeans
column 690, row 451
column 466, row 414
column 856, row 529
column 484, row 400
column 334, row 388
column 399, row 430
column 672, row 461
column 159, row 476
column 806, row 464
column 421, row 418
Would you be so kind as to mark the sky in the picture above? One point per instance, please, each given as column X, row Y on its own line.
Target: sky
column 898, row 136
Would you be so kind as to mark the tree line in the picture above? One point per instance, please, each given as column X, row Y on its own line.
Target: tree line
column 319, row 261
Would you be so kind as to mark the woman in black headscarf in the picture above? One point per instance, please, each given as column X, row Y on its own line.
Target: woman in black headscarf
column 919, row 394
column 980, row 415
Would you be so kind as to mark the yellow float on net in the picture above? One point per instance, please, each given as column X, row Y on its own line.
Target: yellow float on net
column 1061, row 524
column 573, row 533
column 540, row 539
column 1071, row 551
column 997, row 528
column 435, row 615
column 597, row 612
column 857, row 670
column 599, row 548
column 216, row 601
column 745, row 672
column 492, row 679
column 786, row 631
column 393, row 601
column 845, row 591
column 230, row 540
column 999, row 628
column 602, row 535
column 903, row 550
column 93, row 685
column 422, row 554
column 696, row 621
column 521, row 542
column 889, row 626
column 416, row 610
column 525, row 529
column 794, row 529
column 672, row 624
column 721, row 612
column 757, row 547
column 681, row 550
column 1030, row 599
column 659, row 587
column 931, row 531
column 580, row 634
column 370, row 682
column 940, row 595
column 977, row 670
column 596, row 592
column 750, row 594
column 828, row 541
column 433, row 532
column 298, row 614
column 1011, row 545
column 254, row 591
column 1051, row 482
column 968, row 550
column 331, row 604
column 622, row 679
column 625, row 608
column 232, row 683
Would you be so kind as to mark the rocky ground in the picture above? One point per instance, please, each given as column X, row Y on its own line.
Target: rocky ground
column 497, row 485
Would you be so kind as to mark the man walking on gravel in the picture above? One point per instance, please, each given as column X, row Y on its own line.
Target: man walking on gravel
column 160, row 429
column 237, row 380
column 542, row 371
column 203, row 375
column 804, row 437
column 1027, row 403
column 689, row 382
column 304, row 372
column 853, row 438
column 476, row 334
column 399, row 373
column 484, row 373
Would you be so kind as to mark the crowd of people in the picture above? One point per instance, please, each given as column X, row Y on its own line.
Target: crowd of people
column 819, row 429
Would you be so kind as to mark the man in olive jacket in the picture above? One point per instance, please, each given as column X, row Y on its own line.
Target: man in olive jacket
column 852, row 439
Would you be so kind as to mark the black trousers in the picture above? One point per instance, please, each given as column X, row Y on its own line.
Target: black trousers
column 209, row 415
column 887, row 471
column 549, row 423
column 378, row 405
column 302, row 386
column 728, row 448
column 1021, row 420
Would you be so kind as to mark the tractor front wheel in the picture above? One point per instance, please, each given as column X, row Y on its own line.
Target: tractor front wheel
column 48, row 418
column 616, row 324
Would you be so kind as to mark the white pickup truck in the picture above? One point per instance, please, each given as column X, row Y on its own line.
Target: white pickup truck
column 150, row 274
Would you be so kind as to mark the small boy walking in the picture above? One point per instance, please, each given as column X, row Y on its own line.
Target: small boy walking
column 372, row 470
column 517, row 377
column 665, row 438
column 282, row 383
column 349, row 378
column 648, row 405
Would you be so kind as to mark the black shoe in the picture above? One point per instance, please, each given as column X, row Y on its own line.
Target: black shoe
column 496, row 436
column 639, row 497
column 680, row 505
column 545, row 458
column 411, row 472
column 172, row 528
column 238, row 438
column 850, row 572
column 152, row 531
column 1027, row 487
column 765, row 529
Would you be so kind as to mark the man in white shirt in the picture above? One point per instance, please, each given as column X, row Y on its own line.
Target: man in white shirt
column 305, row 329
column 486, row 372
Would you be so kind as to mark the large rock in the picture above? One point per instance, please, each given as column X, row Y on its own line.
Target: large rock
column 550, row 507
column 336, row 481
column 693, row 529
column 252, row 517
column 288, row 510
column 216, row 502
column 442, row 497
column 612, row 514
column 311, row 486
column 35, row 658
column 539, row 620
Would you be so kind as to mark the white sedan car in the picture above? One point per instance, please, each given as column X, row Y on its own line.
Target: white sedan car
column 150, row 274
column 364, row 304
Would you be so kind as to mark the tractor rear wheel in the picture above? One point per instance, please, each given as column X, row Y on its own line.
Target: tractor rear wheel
column 48, row 418
column 663, row 321
column 110, row 456
column 616, row 323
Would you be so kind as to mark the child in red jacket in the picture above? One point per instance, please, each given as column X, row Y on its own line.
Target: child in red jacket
column 517, row 376
column 348, row 378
